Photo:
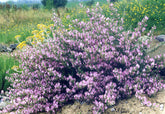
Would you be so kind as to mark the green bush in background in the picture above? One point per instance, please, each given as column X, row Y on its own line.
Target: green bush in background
column 90, row 3
column 49, row 4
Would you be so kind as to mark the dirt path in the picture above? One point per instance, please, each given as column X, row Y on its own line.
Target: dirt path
column 129, row 106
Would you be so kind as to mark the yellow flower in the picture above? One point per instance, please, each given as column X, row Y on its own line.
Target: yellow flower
column 38, row 26
column 33, row 43
column 29, row 38
column 37, row 36
column 35, row 32
column 41, row 26
column 41, row 39
column 14, row 67
column 133, row 19
column 21, row 45
column 17, row 37
column 41, row 32
column 48, row 32
column 51, row 25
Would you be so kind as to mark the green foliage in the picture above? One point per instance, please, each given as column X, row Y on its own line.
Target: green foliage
column 25, row 7
column 75, row 4
column 114, row 0
column 36, row 6
column 6, row 63
column 48, row 4
column 1, row 82
column 90, row 3
column 54, row 3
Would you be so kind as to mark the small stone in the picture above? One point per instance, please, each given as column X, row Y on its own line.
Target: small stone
column 8, row 50
column 160, row 38
column 2, row 92
column 0, row 100
column 13, row 46
column 161, row 107
column 2, row 105
column 143, row 38
column 112, row 109
column 5, row 99
column 3, row 48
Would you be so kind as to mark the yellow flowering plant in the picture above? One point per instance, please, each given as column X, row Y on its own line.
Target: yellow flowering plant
column 21, row 45
column 35, row 32
column 39, row 36
column 16, row 69
column 135, row 10
column 42, row 27
column 17, row 37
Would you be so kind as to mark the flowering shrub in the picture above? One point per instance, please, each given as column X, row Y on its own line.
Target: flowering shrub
column 98, row 63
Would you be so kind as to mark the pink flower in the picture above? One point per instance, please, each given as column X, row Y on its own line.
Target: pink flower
column 143, row 29
column 146, row 18
column 111, row 5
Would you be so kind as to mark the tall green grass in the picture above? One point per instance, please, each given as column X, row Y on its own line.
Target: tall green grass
column 6, row 63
